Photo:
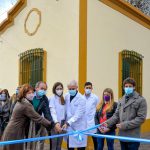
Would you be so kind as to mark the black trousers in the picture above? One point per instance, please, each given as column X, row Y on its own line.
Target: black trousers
column 94, row 142
column 129, row 145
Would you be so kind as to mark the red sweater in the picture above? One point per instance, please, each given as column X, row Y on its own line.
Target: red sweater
column 103, row 117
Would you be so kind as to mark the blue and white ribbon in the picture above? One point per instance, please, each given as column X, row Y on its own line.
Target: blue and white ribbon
column 78, row 136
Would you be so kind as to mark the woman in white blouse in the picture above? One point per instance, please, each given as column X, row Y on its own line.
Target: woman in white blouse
column 57, row 108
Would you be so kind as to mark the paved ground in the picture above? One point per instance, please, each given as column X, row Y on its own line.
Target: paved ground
column 142, row 147
column 117, row 145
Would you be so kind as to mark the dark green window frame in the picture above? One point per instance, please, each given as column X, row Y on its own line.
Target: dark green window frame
column 130, row 65
column 32, row 66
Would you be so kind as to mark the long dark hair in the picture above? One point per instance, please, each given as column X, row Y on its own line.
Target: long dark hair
column 6, row 92
column 24, row 90
column 54, row 91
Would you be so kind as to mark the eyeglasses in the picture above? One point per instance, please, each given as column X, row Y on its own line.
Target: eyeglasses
column 72, row 89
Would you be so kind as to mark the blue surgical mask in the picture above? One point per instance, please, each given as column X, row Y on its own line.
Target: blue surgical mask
column 128, row 90
column 0, row 97
column 3, row 97
column 41, row 93
column 72, row 92
column 88, row 91
column 17, row 91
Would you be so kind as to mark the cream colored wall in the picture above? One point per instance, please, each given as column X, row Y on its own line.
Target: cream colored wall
column 58, row 35
column 108, row 33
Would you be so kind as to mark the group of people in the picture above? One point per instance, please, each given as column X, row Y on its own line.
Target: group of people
column 29, row 113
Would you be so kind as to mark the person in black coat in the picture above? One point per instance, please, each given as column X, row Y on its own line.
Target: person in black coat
column 41, row 105
column 105, row 110
column 4, row 110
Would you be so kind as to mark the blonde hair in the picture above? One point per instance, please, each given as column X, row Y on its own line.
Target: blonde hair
column 111, row 102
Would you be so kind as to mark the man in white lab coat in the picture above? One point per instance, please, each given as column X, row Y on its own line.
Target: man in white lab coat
column 91, row 102
column 76, row 119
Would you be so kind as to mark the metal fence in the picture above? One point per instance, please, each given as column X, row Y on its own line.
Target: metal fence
column 131, row 66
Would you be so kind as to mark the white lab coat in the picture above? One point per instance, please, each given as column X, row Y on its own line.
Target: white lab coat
column 91, row 103
column 58, row 111
column 76, row 118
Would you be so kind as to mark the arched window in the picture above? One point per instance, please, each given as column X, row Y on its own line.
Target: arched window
column 130, row 65
column 32, row 66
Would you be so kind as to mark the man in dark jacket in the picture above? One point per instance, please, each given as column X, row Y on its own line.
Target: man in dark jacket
column 130, row 114
column 41, row 105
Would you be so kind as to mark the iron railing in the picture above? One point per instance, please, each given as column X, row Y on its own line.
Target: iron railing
column 31, row 66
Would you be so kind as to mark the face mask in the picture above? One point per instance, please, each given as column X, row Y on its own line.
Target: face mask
column 88, row 91
column 107, row 98
column 128, row 90
column 72, row 92
column 17, row 91
column 40, row 93
column 30, row 96
column 3, row 97
column 59, row 92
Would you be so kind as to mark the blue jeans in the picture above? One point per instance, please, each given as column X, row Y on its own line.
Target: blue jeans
column 129, row 145
column 110, row 142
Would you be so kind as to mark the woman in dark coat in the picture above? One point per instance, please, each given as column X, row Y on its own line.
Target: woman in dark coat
column 22, row 113
column 4, row 109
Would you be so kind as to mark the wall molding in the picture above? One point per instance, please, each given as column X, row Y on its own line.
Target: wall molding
column 130, row 11
column 38, row 12
column 12, row 14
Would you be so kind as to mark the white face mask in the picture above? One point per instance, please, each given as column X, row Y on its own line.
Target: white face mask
column 88, row 91
column 59, row 92
column 30, row 96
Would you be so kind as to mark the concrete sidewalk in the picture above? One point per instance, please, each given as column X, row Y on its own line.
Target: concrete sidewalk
column 142, row 146
column 117, row 144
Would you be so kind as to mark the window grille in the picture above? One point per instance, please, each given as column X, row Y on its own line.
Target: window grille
column 32, row 66
column 130, row 65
